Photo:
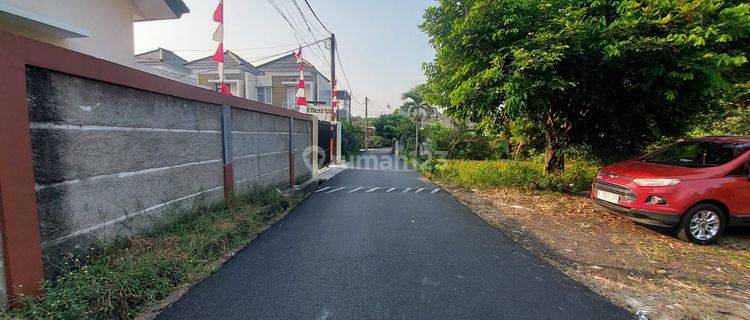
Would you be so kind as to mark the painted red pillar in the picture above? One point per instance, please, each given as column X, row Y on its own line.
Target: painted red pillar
column 22, row 253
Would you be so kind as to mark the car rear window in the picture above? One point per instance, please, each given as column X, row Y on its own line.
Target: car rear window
column 697, row 154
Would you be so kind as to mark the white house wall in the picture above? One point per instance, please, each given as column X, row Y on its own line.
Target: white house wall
column 109, row 23
column 251, row 82
column 324, row 89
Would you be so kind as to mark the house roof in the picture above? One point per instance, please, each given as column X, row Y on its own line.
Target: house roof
column 231, row 60
column 288, row 62
column 161, row 56
column 178, row 7
column 148, row 10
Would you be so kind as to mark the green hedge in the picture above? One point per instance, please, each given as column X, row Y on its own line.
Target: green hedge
column 523, row 175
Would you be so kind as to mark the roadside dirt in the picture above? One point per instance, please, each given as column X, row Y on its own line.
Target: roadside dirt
column 641, row 268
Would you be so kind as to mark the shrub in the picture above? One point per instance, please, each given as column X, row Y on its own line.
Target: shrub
column 440, row 137
column 472, row 147
column 505, row 173
column 352, row 139
column 379, row 142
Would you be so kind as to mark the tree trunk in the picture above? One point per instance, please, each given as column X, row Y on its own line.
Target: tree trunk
column 554, row 160
column 519, row 148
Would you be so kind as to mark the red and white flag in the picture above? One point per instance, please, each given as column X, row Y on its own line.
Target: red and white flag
column 301, row 99
column 219, row 54
column 219, row 12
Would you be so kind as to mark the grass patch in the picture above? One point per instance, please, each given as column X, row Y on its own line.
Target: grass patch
column 124, row 280
column 522, row 175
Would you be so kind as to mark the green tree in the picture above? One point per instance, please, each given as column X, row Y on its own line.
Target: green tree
column 387, row 125
column 728, row 117
column 352, row 139
column 396, row 127
column 441, row 137
column 412, row 101
column 608, row 77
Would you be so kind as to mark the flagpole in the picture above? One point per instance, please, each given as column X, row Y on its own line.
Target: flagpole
column 219, row 54
column 301, row 103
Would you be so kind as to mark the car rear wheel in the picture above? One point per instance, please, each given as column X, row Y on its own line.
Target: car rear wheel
column 702, row 224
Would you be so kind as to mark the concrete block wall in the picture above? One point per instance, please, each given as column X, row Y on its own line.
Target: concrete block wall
column 110, row 160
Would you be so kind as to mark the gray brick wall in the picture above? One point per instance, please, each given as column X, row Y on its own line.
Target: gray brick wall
column 110, row 160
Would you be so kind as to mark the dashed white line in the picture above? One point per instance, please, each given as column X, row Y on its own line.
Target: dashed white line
column 322, row 189
column 391, row 189
column 335, row 190
column 356, row 189
column 419, row 190
column 406, row 190
column 373, row 189
column 435, row 191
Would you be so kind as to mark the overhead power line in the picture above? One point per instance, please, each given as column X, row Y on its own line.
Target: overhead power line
column 294, row 29
column 316, row 16
column 288, row 51
column 233, row 49
column 304, row 18
column 284, row 12
column 346, row 78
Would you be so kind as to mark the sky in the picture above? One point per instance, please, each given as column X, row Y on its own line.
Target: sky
column 381, row 47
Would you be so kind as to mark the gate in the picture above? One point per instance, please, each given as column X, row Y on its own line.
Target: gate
column 325, row 133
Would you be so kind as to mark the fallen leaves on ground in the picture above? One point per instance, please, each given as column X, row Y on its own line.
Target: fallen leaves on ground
column 641, row 268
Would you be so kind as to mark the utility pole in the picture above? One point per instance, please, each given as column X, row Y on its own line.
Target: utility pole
column 366, row 125
column 333, row 77
column 349, row 105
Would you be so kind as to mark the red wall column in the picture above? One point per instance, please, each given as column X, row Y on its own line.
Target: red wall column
column 22, row 253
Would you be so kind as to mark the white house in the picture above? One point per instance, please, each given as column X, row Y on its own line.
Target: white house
column 166, row 64
column 240, row 76
column 100, row 28
column 281, row 77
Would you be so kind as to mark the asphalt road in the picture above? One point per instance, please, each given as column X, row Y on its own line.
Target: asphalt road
column 366, row 247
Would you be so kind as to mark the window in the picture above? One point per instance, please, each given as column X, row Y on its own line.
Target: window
column 697, row 154
column 217, row 87
column 264, row 94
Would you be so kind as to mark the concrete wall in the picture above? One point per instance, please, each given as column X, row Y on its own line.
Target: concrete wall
column 261, row 148
column 110, row 160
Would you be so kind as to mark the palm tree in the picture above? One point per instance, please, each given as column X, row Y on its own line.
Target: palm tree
column 412, row 102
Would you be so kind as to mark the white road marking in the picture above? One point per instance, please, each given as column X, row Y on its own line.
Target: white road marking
column 322, row 189
column 406, row 190
column 373, row 189
column 373, row 169
column 419, row 190
column 355, row 190
column 391, row 189
column 435, row 191
column 337, row 189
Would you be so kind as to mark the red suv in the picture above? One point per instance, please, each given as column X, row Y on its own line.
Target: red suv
column 698, row 186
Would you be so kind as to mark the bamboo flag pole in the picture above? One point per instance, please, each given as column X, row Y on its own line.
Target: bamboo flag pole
column 301, row 104
column 219, row 54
